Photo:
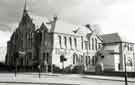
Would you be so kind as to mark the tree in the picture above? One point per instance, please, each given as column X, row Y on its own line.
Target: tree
column 62, row 60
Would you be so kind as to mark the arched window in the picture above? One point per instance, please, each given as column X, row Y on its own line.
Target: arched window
column 74, row 58
column 96, row 44
column 89, row 44
column 93, row 60
column 65, row 42
column 89, row 60
column 92, row 44
column 82, row 42
column 86, row 60
column 75, row 42
column 60, row 41
column 81, row 59
column 70, row 41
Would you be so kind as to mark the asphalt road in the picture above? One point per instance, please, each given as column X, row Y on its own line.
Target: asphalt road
column 33, row 79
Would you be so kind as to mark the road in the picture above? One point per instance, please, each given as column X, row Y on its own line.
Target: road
column 61, row 79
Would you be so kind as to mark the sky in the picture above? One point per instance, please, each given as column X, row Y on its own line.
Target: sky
column 110, row 15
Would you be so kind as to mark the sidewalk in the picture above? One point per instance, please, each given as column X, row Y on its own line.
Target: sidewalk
column 55, row 79
column 110, row 78
column 33, row 78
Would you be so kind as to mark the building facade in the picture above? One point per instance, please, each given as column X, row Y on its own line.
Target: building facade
column 116, row 51
column 39, row 41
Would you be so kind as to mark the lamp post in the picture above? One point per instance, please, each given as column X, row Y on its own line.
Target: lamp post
column 126, row 82
column 87, row 43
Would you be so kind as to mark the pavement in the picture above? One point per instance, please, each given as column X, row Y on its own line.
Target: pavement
column 59, row 79
column 110, row 78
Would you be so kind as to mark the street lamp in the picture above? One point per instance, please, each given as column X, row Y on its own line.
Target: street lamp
column 87, row 43
column 126, row 82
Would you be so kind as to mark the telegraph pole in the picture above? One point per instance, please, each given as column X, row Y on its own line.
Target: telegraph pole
column 126, row 82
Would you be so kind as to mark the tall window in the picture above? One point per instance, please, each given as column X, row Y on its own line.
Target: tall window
column 60, row 41
column 86, row 59
column 131, row 47
column 99, row 46
column 75, row 43
column 74, row 58
column 70, row 41
column 89, row 44
column 96, row 44
column 65, row 41
column 82, row 42
column 93, row 60
column 92, row 44
column 89, row 59
column 86, row 45
column 30, row 38
column 81, row 59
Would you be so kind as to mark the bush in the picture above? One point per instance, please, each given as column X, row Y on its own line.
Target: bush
column 68, row 69
column 78, row 69
column 56, row 69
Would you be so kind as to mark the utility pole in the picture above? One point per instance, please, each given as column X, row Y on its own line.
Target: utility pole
column 125, row 65
column 126, row 82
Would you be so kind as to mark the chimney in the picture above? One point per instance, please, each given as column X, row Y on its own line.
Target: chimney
column 55, row 18
column 89, row 27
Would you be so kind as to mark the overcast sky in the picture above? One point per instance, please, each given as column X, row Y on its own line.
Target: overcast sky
column 111, row 15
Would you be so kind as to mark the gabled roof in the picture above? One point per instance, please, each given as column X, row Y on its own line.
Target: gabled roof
column 111, row 38
column 83, row 30
column 37, row 20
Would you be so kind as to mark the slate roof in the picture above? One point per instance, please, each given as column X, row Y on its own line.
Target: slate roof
column 60, row 26
column 110, row 38
column 64, row 27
